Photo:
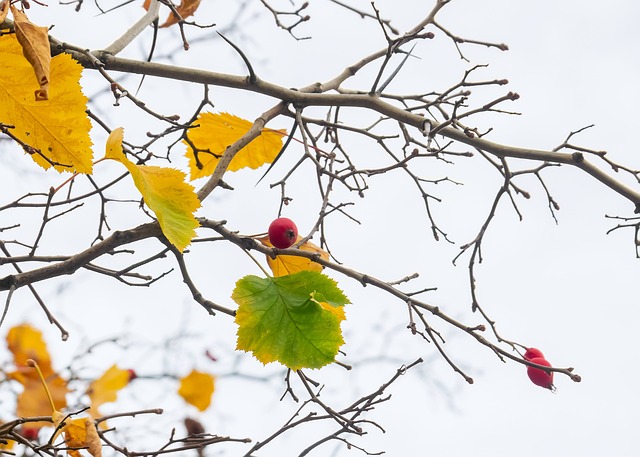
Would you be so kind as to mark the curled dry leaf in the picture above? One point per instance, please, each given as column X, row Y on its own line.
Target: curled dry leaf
column 82, row 433
column 193, row 427
column 185, row 9
column 4, row 10
column 36, row 49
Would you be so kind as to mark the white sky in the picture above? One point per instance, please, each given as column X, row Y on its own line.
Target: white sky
column 567, row 289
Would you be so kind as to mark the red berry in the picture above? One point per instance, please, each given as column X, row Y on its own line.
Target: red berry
column 283, row 233
column 533, row 353
column 132, row 374
column 30, row 433
column 540, row 377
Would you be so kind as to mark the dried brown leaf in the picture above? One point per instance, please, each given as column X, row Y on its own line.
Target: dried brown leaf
column 4, row 10
column 36, row 49
column 185, row 9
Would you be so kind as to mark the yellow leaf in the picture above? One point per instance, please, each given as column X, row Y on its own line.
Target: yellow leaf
column 196, row 388
column 288, row 264
column 57, row 417
column 7, row 444
column 114, row 145
column 36, row 49
column 105, row 388
column 82, row 433
column 337, row 311
column 216, row 132
column 57, row 128
column 164, row 191
column 5, row 447
column 185, row 9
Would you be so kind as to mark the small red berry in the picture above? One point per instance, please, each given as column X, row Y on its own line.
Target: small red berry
column 30, row 433
column 283, row 233
column 533, row 353
column 540, row 377
column 132, row 374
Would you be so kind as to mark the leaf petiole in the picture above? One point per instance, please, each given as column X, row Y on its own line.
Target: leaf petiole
column 32, row 363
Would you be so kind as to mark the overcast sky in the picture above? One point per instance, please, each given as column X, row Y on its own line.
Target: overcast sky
column 568, row 289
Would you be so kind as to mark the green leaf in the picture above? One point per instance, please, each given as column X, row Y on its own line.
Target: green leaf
column 293, row 319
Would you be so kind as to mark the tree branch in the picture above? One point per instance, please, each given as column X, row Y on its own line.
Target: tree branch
column 73, row 263
column 371, row 102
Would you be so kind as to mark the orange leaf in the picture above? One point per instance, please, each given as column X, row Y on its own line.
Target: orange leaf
column 288, row 264
column 105, row 388
column 33, row 401
column 146, row 4
column 35, row 47
column 216, row 132
column 185, row 9
column 196, row 388
column 25, row 342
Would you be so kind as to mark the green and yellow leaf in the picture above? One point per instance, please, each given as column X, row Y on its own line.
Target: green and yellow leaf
column 58, row 127
column 164, row 191
column 215, row 132
column 293, row 319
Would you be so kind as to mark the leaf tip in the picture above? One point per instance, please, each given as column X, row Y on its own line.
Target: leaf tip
column 114, row 144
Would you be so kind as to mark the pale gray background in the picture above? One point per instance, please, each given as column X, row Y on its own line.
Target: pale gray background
column 568, row 289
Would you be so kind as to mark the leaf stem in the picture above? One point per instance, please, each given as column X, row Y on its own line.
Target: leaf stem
column 266, row 273
column 32, row 363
